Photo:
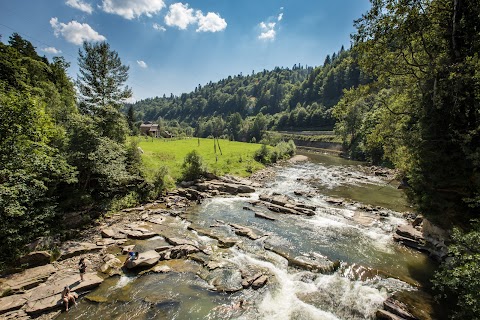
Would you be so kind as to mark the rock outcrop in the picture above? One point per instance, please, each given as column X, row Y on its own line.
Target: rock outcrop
column 422, row 238
column 29, row 278
column 73, row 249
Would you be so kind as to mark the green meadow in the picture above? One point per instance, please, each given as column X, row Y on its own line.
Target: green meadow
column 235, row 158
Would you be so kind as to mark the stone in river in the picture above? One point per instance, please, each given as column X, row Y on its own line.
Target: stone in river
column 145, row 260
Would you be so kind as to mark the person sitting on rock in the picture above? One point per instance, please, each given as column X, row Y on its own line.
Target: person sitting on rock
column 67, row 296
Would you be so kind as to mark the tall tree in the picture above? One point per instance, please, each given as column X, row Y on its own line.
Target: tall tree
column 102, row 77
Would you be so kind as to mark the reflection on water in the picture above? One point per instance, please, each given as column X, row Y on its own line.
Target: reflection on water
column 372, row 265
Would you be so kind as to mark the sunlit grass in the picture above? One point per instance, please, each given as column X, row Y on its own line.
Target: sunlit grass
column 236, row 157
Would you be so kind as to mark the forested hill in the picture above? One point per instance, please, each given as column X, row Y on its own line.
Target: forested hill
column 299, row 97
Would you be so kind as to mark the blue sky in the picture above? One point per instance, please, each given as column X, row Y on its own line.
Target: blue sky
column 172, row 46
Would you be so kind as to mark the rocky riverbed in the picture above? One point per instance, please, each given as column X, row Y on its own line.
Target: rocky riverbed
column 168, row 241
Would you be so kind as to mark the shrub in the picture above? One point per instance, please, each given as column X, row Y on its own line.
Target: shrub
column 262, row 155
column 192, row 167
column 161, row 181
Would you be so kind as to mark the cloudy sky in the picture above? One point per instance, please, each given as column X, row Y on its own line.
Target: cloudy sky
column 171, row 47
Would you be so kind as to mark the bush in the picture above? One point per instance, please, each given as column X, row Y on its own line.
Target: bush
column 161, row 181
column 192, row 167
column 283, row 150
column 262, row 155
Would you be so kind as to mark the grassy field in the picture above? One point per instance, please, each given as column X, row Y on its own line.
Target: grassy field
column 237, row 158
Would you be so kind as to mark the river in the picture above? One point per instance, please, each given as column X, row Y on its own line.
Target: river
column 372, row 266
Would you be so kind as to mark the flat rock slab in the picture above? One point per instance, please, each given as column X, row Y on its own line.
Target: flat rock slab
column 178, row 252
column 48, row 297
column 259, row 282
column 112, row 233
column 180, row 241
column 145, row 260
column 30, row 278
column 408, row 231
column 73, row 249
column 14, row 302
column 262, row 215
column 140, row 235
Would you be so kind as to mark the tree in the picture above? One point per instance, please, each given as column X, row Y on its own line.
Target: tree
column 102, row 77
column 459, row 276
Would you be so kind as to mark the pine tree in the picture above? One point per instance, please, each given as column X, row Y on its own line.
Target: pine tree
column 102, row 77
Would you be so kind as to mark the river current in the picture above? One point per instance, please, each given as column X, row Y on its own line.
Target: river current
column 372, row 266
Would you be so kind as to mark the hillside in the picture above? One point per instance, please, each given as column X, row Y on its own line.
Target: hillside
column 283, row 98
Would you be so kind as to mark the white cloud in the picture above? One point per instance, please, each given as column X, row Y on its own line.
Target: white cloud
column 51, row 50
column 75, row 32
column 212, row 22
column 180, row 15
column 267, row 31
column 142, row 64
column 268, row 28
column 80, row 5
column 158, row 27
column 130, row 9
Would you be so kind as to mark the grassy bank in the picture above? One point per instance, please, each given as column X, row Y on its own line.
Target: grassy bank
column 236, row 157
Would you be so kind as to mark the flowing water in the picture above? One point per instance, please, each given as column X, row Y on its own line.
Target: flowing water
column 372, row 265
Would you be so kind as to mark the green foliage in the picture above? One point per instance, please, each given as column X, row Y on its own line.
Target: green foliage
column 31, row 170
column 458, row 280
column 421, row 113
column 283, row 150
column 263, row 154
column 192, row 167
column 243, row 107
column 162, row 181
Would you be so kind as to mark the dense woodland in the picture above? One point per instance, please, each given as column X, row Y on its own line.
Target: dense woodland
column 406, row 95
column 58, row 156
column 242, row 107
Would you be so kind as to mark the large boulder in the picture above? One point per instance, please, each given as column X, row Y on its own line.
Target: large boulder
column 36, row 258
column 145, row 260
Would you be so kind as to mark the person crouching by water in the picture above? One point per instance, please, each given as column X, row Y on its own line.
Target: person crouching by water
column 131, row 255
column 82, row 267
column 67, row 296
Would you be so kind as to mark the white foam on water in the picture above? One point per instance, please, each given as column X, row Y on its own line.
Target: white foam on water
column 352, row 298
column 122, row 282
